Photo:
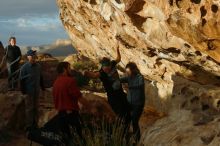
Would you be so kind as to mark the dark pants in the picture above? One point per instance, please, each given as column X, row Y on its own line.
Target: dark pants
column 136, row 111
column 121, row 108
column 31, row 110
column 68, row 121
column 13, row 75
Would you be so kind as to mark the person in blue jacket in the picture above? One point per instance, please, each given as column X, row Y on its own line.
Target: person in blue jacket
column 135, row 96
column 31, row 81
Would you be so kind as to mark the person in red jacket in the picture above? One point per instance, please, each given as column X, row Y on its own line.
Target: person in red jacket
column 66, row 97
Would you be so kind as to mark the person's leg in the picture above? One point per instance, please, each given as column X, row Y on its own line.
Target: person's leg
column 31, row 103
column 135, row 116
column 119, row 104
column 126, row 121
column 127, row 108
column 35, row 109
column 9, row 67
column 125, row 111
column 121, row 108
column 75, row 122
column 15, row 75
column 13, row 68
column 128, row 118
column 29, row 111
column 64, row 127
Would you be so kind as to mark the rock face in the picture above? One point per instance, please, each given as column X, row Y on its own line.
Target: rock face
column 11, row 110
column 176, row 46
column 164, row 38
column 193, row 119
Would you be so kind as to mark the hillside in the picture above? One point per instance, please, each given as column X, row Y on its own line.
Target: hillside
column 59, row 48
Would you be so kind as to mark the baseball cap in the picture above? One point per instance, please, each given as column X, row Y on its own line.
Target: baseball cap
column 31, row 53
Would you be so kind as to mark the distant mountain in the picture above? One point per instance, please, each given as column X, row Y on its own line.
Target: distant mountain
column 57, row 49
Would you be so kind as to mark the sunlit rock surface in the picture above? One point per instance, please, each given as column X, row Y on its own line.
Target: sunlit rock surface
column 176, row 46
column 162, row 37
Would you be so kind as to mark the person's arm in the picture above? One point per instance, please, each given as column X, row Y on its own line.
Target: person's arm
column 92, row 74
column 139, row 84
column 75, row 93
column 118, row 58
column 74, row 90
column 124, row 79
column 19, row 54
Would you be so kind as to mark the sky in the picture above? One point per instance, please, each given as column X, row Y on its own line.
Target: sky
column 32, row 22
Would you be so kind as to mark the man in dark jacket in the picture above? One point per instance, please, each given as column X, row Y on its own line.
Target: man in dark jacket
column 31, row 81
column 109, row 76
column 12, row 57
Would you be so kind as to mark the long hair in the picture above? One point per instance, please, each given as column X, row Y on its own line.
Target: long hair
column 11, row 38
column 133, row 68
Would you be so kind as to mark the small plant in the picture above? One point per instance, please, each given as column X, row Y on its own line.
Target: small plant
column 93, row 84
column 84, row 65
column 104, row 133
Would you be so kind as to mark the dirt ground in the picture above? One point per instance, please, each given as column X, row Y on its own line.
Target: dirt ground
column 149, row 116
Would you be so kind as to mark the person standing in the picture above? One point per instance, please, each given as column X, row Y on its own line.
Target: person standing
column 31, row 80
column 109, row 76
column 1, row 45
column 12, row 57
column 66, row 97
column 2, row 57
column 135, row 96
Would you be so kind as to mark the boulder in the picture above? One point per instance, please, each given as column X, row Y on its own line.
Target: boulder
column 12, row 110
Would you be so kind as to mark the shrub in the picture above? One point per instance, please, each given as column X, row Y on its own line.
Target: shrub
column 104, row 133
column 94, row 84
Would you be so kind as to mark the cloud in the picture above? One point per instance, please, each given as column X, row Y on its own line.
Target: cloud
column 33, row 22
column 20, row 8
column 29, row 33
column 26, row 14
column 41, row 24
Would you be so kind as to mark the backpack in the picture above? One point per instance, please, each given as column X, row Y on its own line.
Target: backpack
column 48, row 135
column 45, row 137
